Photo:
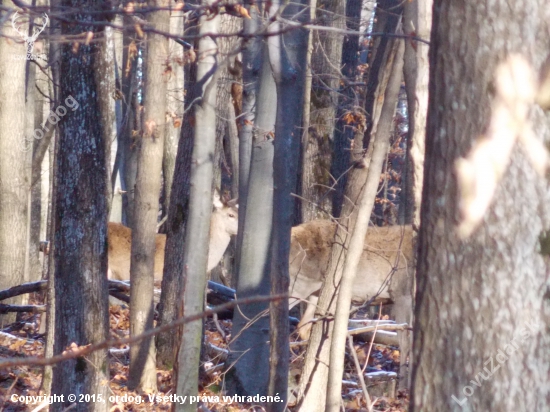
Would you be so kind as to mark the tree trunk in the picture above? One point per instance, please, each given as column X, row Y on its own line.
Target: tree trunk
column 143, row 373
column 127, row 143
column 252, row 64
column 351, row 98
column 14, row 180
column 172, row 283
column 417, row 21
column 227, row 75
column 287, row 54
column 481, row 336
column 313, row 383
column 81, row 223
column 325, row 66
column 47, row 323
column 195, row 251
column 174, row 108
column 357, row 238
column 250, row 350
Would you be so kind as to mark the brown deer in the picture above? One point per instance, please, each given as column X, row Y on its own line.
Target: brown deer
column 223, row 225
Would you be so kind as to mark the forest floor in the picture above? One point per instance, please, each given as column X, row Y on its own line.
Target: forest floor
column 23, row 340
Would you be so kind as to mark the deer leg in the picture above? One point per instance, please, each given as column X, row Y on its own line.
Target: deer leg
column 304, row 327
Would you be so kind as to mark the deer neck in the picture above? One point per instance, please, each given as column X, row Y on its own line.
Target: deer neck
column 219, row 240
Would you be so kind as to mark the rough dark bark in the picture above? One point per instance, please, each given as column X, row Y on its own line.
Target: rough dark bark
column 317, row 150
column 482, row 313
column 81, row 222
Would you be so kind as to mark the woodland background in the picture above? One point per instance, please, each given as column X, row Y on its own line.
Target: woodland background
column 434, row 115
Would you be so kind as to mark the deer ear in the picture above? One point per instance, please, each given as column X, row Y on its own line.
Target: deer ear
column 217, row 202
column 233, row 203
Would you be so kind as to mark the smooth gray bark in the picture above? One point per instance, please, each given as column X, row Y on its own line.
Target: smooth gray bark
column 250, row 349
column 195, row 251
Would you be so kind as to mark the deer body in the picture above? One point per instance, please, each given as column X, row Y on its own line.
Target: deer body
column 385, row 248
column 382, row 273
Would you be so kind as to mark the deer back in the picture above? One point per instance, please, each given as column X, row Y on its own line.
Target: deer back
column 385, row 248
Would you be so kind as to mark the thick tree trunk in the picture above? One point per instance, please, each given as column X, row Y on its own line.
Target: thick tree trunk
column 143, row 373
column 195, row 251
column 81, row 224
column 325, row 66
column 482, row 313
column 14, row 179
column 287, row 57
column 250, row 351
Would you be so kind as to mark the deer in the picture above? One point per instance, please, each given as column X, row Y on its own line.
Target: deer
column 382, row 274
column 385, row 264
column 223, row 225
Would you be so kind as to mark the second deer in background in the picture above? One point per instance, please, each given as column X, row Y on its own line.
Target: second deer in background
column 224, row 224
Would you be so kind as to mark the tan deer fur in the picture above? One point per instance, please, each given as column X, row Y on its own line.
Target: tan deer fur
column 388, row 251
column 223, row 225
